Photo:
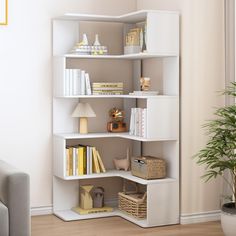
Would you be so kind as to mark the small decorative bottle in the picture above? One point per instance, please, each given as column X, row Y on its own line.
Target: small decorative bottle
column 85, row 40
column 96, row 42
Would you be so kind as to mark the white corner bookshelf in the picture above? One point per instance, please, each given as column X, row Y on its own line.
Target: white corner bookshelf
column 161, row 63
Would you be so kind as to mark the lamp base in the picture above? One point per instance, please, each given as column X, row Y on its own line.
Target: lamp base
column 83, row 125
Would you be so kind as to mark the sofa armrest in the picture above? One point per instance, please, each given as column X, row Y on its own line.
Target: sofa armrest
column 14, row 194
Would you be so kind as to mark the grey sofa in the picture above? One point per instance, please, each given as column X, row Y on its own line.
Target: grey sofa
column 14, row 201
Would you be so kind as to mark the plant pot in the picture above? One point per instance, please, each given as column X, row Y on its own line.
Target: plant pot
column 228, row 219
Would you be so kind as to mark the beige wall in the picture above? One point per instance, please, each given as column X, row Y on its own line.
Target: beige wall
column 202, row 74
column 26, row 91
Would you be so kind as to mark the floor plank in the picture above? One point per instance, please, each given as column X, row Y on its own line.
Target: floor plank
column 50, row 225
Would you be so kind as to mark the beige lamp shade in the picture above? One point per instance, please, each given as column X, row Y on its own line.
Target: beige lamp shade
column 83, row 111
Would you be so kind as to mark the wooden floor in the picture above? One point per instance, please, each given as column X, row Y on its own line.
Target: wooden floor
column 115, row 226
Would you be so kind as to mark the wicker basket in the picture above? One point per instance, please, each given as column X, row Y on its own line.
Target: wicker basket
column 148, row 167
column 133, row 203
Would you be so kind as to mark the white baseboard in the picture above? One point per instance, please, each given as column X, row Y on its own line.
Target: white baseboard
column 36, row 211
column 200, row 217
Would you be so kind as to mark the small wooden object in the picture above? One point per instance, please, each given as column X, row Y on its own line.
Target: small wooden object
column 86, row 201
column 145, row 83
column 98, row 197
column 148, row 167
column 123, row 164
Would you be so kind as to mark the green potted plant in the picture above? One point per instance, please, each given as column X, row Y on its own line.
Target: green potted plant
column 219, row 157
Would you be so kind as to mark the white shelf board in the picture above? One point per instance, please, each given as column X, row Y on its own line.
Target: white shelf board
column 132, row 17
column 127, row 56
column 120, row 96
column 123, row 174
column 69, row 215
column 110, row 135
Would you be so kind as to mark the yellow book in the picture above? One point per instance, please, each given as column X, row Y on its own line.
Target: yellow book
column 95, row 161
column 92, row 210
column 70, row 161
column 100, row 162
column 67, row 161
column 85, row 160
column 80, row 160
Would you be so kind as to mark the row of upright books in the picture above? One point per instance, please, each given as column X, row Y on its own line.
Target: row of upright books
column 76, row 82
column 110, row 88
column 82, row 160
column 138, row 122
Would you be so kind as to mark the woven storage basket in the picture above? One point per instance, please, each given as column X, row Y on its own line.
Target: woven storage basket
column 148, row 167
column 133, row 203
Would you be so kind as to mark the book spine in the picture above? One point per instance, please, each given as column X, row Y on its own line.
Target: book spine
column 82, row 80
column 144, row 123
column 88, row 85
column 95, row 161
column 70, row 161
column 108, row 93
column 84, row 160
column 131, row 125
column 71, row 82
column 107, row 85
column 67, row 82
column 81, row 160
column 91, row 160
column 100, row 162
column 88, row 160
column 74, row 161
column 107, row 89
column 67, row 161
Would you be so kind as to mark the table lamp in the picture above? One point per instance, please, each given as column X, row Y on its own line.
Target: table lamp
column 83, row 111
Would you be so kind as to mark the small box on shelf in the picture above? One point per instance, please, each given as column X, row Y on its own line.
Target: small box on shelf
column 148, row 167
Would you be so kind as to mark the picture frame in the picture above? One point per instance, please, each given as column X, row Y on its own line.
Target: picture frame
column 3, row 12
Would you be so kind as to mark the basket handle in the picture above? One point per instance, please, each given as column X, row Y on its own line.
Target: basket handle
column 144, row 197
column 134, row 184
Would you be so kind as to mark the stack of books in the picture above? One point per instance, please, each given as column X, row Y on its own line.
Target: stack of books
column 138, row 122
column 76, row 82
column 104, row 88
column 82, row 160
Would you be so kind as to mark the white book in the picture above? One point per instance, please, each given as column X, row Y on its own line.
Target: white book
column 74, row 161
column 131, row 125
column 87, row 159
column 71, row 82
column 144, row 123
column 87, row 84
column 136, row 121
column 82, row 82
column 140, row 110
column 75, row 82
column 90, row 160
column 67, row 82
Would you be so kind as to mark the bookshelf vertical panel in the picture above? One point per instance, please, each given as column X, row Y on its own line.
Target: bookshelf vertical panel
column 163, row 33
column 65, row 194
column 59, row 157
column 62, row 110
column 65, row 35
column 171, row 154
column 162, row 118
column 59, row 66
column 171, row 76
column 162, row 204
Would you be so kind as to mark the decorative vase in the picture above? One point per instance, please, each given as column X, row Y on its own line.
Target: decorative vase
column 96, row 42
column 228, row 219
column 85, row 40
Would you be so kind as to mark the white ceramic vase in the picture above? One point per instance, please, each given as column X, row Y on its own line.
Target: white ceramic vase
column 228, row 222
